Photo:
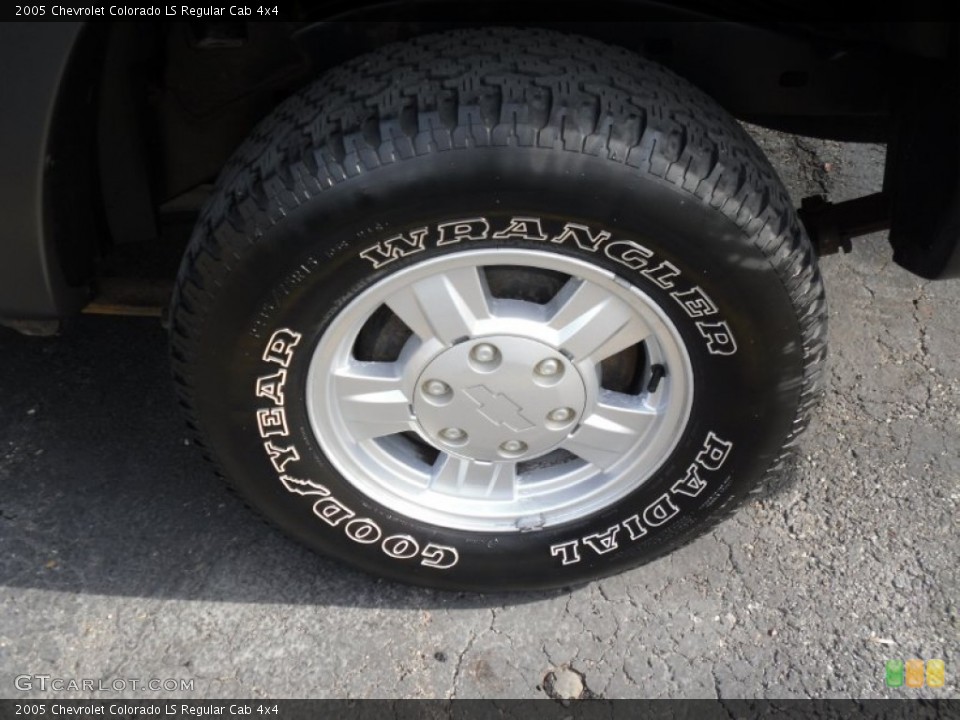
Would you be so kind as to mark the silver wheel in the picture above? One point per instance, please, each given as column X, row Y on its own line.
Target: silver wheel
column 492, row 410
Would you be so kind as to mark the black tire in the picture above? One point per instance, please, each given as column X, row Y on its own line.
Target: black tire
column 499, row 124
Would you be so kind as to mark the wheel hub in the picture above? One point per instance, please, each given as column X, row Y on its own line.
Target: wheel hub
column 499, row 398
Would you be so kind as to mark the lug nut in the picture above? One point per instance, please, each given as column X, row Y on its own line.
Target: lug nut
column 513, row 446
column 452, row 434
column 436, row 388
column 560, row 415
column 484, row 353
column 548, row 367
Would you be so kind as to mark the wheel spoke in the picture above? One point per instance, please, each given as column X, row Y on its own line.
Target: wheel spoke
column 445, row 306
column 471, row 478
column 605, row 435
column 371, row 399
column 592, row 324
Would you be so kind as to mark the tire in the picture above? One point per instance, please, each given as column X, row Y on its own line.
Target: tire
column 498, row 309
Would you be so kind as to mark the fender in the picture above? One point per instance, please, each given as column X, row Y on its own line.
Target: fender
column 38, row 280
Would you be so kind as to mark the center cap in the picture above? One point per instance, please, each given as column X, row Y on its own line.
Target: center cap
column 499, row 398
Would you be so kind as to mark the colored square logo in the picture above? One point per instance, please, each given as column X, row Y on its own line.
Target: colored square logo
column 914, row 673
column 894, row 673
column 935, row 673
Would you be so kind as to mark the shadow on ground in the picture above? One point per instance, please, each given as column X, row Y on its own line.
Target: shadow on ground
column 102, row 492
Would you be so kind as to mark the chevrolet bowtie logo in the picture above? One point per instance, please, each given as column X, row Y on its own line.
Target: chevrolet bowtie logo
column 498, row 408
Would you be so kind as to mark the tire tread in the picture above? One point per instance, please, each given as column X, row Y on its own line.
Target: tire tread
column 496, row 87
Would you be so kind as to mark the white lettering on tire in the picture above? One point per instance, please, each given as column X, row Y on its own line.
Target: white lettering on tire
column 271, row 387
column 693, row 300
column 280, row 347
column 399, row 246
column 719, row 338
column 466, row 229
column 401, row 546
column 271, row 422
column 363, row 530
column 440, row 557
column 522, row 228
column 711, row 458
column 568, row 552
column 602, row 543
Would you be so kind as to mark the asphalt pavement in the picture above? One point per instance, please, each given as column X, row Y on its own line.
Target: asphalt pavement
column 122, row 557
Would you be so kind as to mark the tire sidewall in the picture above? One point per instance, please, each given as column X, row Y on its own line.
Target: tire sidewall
column 307, row 265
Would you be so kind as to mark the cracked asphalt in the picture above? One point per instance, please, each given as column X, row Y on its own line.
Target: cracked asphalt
column 121, row 556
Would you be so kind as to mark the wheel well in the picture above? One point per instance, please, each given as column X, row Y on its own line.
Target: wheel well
column 176, row 99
